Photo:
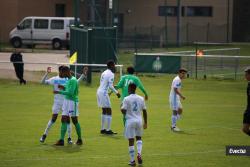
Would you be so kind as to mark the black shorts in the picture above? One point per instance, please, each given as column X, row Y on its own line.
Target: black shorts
column 246, row 117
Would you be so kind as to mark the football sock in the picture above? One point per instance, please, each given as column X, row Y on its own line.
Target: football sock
column 174, row 120
column 139, row 146
column 69, row 130
column 103, row 117
column 132, row 153
column 109, row 120
column 50, row 123
column 248, row 133
column 63, row 130
column 78, row 130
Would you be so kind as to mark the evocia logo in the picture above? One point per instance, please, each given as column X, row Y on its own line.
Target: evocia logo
column 157, row 65
column 237, row 151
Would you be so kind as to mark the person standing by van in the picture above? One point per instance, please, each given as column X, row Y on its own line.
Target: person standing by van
column 17, row 59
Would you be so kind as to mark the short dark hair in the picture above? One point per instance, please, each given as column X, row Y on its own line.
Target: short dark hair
column 130, row 70
column 110, row 63
column 65, row 68
column 60, row 68
column 247, row 70
column 132, row 86
column 181, row 70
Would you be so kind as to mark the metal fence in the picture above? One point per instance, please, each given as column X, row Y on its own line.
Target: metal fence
column 157, row 37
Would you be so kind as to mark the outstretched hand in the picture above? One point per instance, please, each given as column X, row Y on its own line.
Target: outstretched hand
column 48, row 69
column 85, row 70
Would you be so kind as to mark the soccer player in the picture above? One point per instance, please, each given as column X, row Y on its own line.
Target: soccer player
column 106, row 83
column 56, row 81
column 126, row 80
column 174, row 98
column 246, row 118
column 131, row 107
column 70, row 105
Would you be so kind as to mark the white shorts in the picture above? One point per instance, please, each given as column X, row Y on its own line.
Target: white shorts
column 70, row 108
column 133, row 128
column 103, row 100
column 57, row 107
column 175, row 104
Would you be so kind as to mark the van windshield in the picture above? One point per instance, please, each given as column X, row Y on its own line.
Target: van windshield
column 26, row 24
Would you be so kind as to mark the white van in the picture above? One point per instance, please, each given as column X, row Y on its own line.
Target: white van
column 42, row 30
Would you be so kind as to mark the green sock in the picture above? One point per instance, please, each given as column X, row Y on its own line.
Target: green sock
column 63, row 130
column 78, row 130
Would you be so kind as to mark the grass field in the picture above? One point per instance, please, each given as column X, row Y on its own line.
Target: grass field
column 212, row 119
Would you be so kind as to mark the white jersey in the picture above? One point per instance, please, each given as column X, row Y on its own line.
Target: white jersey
column 175, row 84
column 133, row 104
column 56, row 81
column 106, row 82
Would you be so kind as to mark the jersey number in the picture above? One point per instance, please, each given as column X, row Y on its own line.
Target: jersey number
column 135, row 107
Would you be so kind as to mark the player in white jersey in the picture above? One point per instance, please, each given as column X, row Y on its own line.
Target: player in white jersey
column 131, row 108
column 58, row 82
column 174, row 98
column 106, row 83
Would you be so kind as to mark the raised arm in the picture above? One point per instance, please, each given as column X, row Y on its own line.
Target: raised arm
column 46, row 75
column 83, row 75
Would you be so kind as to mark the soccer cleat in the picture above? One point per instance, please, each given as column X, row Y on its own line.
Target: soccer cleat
column 42, row 139
column 175, row 129
column 79, row 142
column 139, row 159
column 110, row 132
column 103, row 131
column 132, row 163
column 70, row 141
column 59, row 143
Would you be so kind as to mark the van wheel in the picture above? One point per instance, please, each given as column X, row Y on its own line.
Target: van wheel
column 16, row 42
column 57, row 44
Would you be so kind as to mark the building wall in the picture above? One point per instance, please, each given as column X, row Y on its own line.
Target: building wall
column 144, row 13
column 13, row 11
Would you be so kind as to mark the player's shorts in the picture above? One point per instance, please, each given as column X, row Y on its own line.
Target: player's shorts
column 57, row 107
column 103, row 100
column 175, row 104
column 246, row 117
column 133, row 128
column 70, row 108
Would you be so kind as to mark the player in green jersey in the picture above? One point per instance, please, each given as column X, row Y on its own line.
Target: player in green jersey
column 70, row 106
column 126, row 80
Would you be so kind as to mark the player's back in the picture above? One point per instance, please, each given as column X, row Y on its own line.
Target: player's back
column 106, row 78
column 134, row 104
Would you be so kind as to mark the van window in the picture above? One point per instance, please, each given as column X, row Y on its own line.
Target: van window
column 26, row 24
column 41, row 24
column 57, row 24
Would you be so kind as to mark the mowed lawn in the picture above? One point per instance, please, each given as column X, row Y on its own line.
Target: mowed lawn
column 212, row 119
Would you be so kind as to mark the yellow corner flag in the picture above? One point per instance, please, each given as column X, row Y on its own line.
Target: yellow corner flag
column 73, row 58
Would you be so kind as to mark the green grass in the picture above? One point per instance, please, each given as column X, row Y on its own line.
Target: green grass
column 212, row 119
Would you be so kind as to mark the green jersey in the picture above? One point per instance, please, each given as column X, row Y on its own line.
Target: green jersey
column 124, row 83
column 71, row 89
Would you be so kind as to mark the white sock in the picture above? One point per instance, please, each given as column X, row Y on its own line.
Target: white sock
column 103, row 118
column 178, row 116
column 69, row 128
column 139, row 146
column 131, row 153
column 50, row 123
column 109, row 120
column 174, row 120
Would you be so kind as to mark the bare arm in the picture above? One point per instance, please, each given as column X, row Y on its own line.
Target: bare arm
column 179, row 93
column 145, row 117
